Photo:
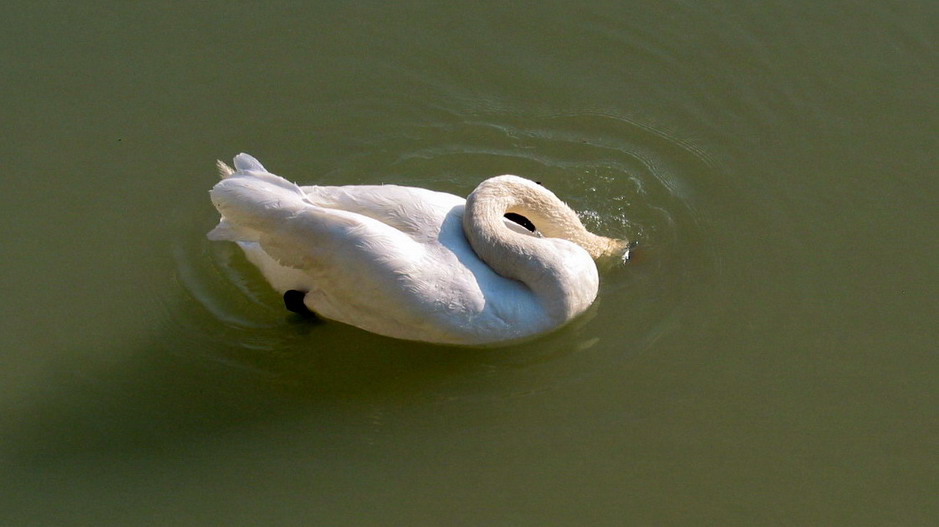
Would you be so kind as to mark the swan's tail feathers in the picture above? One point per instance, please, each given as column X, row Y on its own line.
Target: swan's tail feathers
column 224, row 171
column 247, row 167
column 257, row 206
column 257, row 201
column 247, row 163
column 252, row 201
column 243, row 163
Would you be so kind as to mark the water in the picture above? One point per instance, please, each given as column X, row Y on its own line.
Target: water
column 768, row 357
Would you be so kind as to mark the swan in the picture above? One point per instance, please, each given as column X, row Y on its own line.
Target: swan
column 412, row 263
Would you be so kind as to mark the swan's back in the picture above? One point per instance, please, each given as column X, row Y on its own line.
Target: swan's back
column 416, row 211
column 388, row 259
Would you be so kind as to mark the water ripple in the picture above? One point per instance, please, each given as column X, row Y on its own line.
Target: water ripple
column 626, row 180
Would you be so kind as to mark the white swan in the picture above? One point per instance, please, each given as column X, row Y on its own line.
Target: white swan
column 412, row 263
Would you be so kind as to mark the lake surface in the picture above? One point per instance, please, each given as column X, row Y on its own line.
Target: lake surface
column 769, row 357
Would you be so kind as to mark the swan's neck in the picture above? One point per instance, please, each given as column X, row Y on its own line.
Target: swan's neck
column 554, row 219
column 552, row 270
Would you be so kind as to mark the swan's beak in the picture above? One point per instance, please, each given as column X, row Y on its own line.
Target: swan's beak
column 627, row 253
column 618, row 249
column 608, row 248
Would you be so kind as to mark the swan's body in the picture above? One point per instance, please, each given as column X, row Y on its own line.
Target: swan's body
column 412, row 263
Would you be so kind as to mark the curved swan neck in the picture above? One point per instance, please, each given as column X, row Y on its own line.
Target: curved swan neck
column 553, row 270
column 554, row 219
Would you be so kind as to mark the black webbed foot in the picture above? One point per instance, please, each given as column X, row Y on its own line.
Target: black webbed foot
column 293, row 301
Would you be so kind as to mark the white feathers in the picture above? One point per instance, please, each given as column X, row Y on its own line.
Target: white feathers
column 396, row 261
column 224, row 170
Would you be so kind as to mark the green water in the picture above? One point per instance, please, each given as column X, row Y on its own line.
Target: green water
column 768, row 358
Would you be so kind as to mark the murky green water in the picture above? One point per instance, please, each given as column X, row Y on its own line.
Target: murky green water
column 768, row 358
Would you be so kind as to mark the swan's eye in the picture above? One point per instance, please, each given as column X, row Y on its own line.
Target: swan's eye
column 521, row 220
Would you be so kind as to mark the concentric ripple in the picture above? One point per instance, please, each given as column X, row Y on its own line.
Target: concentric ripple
column 625, row 179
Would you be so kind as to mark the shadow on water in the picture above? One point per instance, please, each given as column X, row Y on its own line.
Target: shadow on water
column 181, row 390
column 170, row 393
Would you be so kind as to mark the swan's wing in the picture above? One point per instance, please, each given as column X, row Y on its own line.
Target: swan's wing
column 360, row 270
column 416, row 211
column 264, row 208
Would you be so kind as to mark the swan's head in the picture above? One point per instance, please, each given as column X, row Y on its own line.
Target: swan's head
column 613, row 248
